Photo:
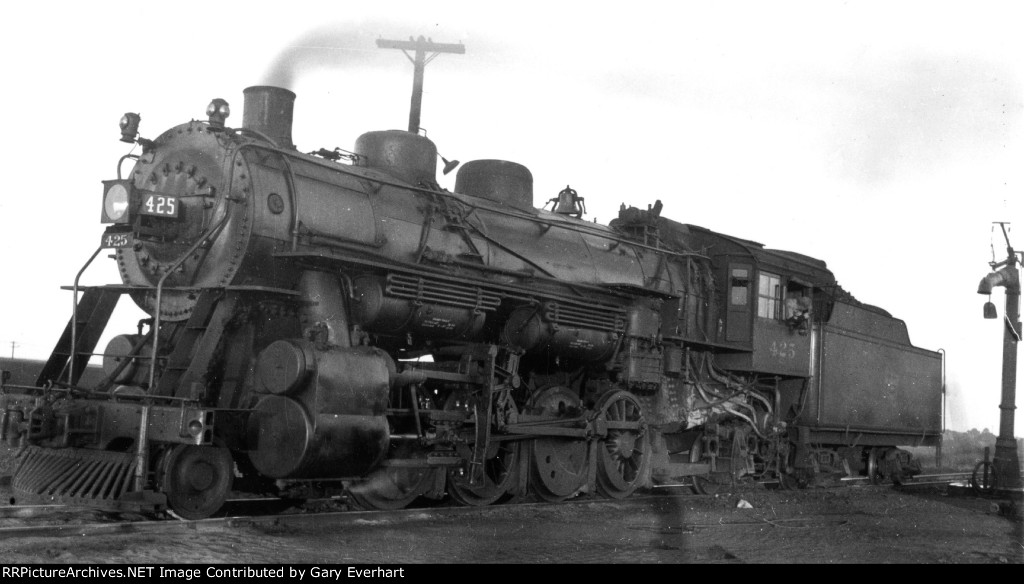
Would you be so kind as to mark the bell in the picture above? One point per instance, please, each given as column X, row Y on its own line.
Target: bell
column 990, row 310
column 568, row 202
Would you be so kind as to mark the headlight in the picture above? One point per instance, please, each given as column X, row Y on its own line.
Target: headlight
column 116, row 198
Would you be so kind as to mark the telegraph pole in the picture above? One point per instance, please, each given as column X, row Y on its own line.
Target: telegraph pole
column 420, row 47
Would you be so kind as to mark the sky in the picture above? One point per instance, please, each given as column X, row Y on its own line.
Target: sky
column 882, row 137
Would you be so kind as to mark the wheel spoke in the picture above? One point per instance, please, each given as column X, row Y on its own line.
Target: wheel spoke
column 499, row 470
column 498, row 478
column 624, row 458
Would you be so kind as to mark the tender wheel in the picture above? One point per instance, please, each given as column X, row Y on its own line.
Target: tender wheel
column 393, row 487
column 884, row 464
column 893, row 467
column 500, row 463
column 558, row 466
column 624, row 454
column 196, row 479
column 874, row 472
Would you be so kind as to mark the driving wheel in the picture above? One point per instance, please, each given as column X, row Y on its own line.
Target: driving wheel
column 624, row 453
column 499, row 465
column 558, row 466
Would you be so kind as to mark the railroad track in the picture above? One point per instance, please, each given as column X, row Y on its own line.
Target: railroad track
column 233, row 507
column 276, row 512
column 922, row 479
column 142, row 526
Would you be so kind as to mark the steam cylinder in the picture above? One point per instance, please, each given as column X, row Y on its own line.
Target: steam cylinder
column 323, row 410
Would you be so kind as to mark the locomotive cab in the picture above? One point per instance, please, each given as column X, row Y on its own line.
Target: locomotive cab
column 772, row 297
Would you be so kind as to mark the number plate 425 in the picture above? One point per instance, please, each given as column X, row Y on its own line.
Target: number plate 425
column 159, row 205
column 117, row 240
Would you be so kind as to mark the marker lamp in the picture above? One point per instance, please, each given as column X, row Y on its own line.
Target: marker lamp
column 218, row 111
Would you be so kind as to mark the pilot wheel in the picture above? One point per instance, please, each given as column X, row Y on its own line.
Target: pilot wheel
column 196, row 479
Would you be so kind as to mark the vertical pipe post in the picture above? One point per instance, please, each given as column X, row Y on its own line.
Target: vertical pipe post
column 1005, row 461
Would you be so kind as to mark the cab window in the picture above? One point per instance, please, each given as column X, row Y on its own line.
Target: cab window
column 738, row 286
column 769, row 296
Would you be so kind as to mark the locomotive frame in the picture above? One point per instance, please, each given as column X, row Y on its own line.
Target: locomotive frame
column 337, row 322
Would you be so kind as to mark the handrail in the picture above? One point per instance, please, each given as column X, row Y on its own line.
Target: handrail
column 159, row 292
column 74, row 318
column 142, row 443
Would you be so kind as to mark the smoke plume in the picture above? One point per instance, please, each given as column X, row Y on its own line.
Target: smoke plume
column 335, row 46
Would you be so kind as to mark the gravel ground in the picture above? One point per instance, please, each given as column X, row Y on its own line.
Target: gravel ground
column 815, row 526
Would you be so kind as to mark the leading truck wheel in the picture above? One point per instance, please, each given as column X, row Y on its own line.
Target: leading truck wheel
column 196, row 480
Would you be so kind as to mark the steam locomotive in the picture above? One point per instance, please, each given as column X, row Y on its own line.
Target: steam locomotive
column 336, row 322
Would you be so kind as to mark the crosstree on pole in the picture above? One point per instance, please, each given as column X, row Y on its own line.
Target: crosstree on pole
column 419, row 47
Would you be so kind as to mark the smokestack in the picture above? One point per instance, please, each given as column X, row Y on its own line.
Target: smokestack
column 268, row 110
